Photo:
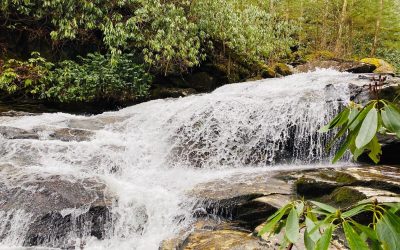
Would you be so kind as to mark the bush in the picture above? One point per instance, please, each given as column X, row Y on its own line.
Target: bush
column 25, row 78
column 95, row 78
column 319, row 222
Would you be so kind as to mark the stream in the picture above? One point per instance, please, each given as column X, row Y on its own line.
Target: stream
column 137, row 165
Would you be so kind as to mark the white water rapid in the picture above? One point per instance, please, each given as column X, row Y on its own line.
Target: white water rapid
column 150, row 155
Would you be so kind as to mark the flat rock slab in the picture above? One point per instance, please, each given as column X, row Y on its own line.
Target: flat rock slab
column 248, row 199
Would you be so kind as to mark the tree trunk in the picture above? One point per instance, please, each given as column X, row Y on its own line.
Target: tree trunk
column 377, row 28
column 339, row 41
column 324, row 33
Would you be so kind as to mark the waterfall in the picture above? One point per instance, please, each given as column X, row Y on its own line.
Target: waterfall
column 146, row 157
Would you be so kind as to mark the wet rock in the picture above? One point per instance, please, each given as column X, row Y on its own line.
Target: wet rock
column 66, row 134
column 340, row 65
column 17, row 133
column 54, row 207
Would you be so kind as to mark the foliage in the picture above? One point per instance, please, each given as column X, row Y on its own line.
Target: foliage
column 362, row 125
column 25, row 77
column 171, row 35
column 169, row 41
column 95, row 78
column 247, row 31
column 318, row 222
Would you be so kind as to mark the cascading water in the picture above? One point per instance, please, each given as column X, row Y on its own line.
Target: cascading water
column 146, row 157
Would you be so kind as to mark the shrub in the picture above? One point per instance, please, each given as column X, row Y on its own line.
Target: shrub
column 319, row 221
column 25, row 78
column 95, row 78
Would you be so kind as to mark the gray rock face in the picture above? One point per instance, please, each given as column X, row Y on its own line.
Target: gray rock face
column 53, row 207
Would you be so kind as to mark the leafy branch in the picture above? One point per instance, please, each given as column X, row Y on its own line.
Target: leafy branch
column 361, row 124
column 318, row 223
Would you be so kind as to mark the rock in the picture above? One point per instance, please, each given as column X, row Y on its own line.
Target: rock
column 64, row 134
column 17, row 133
column 283, row 69
column 223, row 239
column 49, row 208
column 324, row 181
column 167, row 92
column 340, row 65
column 267, row 71
column 67, row 134
column 247, row 200
column 344, row 197
column 381, row 65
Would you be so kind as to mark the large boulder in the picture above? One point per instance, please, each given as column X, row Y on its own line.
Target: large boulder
column 48, row 209
column 382, row 67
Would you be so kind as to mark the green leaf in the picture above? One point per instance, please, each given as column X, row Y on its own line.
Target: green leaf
column 325, row 207
column 292, row 226
column 354, row 211
column 334, row 123
column 388, row 231
column 308, row 242
column 367, row 230
column 299, row 208
column 273, row 220
column 368, row 129
column 344, row 118
column 354, row 240
column 324, row 241
column 391, row 118
column 375, row 150
column 310, row 225
column 342, row 149
column 360, row 116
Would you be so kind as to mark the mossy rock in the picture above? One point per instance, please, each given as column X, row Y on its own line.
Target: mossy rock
column 345, row 197
column 267, row 71
column 339, row 177
column 320, row 55
column 282, row 69
column 382, row 67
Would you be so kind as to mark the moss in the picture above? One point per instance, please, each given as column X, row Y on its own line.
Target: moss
column 345, row 197
column 267, row 71
column 338, row 177
column 320, row 55
column 282, row 69
column 381, row 65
